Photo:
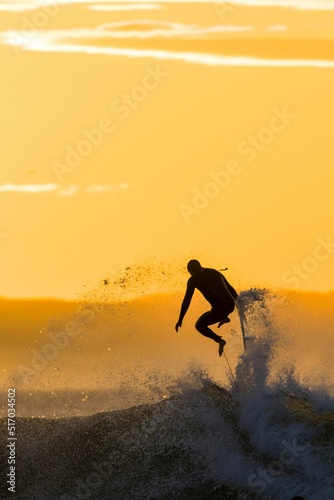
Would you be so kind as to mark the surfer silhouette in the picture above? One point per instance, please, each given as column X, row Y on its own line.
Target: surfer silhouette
column 217, row 291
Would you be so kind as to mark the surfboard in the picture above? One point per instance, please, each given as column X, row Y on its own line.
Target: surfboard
column 243, row 324
column 242, row 328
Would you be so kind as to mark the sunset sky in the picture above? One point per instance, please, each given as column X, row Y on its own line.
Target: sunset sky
column 133, row 131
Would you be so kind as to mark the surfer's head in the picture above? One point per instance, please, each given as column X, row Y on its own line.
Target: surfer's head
column 193, row 266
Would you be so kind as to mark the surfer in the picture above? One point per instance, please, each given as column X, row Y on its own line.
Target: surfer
column 217, row 291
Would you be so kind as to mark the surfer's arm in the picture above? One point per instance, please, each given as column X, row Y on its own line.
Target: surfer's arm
column 185, row 304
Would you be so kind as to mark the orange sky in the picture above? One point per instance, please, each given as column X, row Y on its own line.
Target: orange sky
column 197, row 154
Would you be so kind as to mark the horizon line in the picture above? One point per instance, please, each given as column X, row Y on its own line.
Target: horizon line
column 134, row 296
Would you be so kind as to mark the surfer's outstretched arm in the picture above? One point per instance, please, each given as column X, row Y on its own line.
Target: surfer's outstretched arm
column 185, row 305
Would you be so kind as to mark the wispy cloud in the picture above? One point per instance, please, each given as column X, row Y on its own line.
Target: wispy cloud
column 17, row 7
column 28, row 188
column 134, row 29
column 189, row 57
column 294, row 4
column 60, row 190
column 22, row 5
column 277, row 27
column 104, row 189
column 132, row 7
column 290, row 4
column 68, row 191
column 100, row 41
column 145, row 28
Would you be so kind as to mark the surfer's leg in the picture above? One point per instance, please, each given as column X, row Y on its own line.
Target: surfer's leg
column 223, row 321
column 225, row 318
column 208, row 318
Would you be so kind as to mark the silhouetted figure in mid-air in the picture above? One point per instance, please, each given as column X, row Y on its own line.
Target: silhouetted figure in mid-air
column 217, row 291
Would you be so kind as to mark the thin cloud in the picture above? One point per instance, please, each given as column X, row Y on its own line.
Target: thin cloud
column 60, row 190
column 69, row 191
column 290, row 4
column 294, row 4
column 132, row 7
column 28, row 188
column 153, row 29
column 142, row 29
column 16, row 7
column 70, row 41
column 277, row 27
column 189, row 57
column 104, row 189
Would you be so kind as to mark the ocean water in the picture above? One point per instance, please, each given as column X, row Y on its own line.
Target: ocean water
column 264, row 430
column 111, row 403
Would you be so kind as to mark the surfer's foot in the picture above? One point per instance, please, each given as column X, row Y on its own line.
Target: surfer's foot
column 223, row 321
column 222, row 344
